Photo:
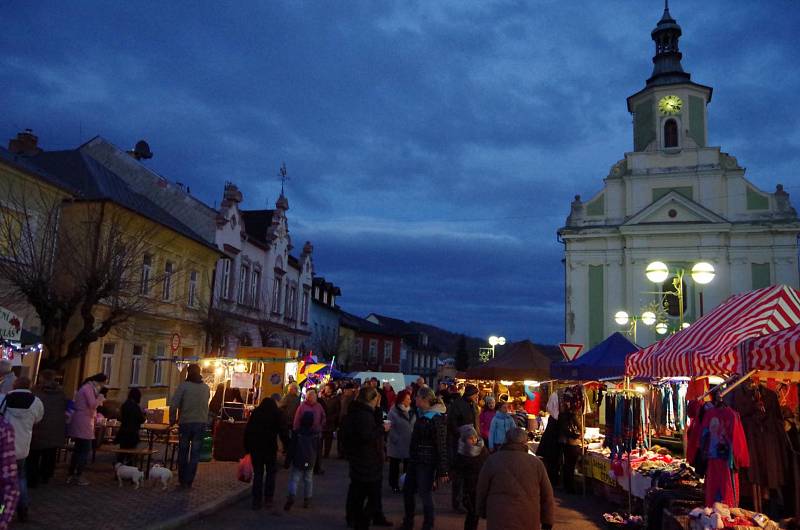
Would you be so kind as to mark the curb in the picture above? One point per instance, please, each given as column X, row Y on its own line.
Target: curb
column 206, row 509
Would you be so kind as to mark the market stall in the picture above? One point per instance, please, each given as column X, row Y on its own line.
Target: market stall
column 604, row 361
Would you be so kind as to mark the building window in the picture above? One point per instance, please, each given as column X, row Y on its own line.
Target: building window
column 373, row 349
column 192, row 288
column 359, row 348
column 255, row 288
column 291, row 302
column 387, row 351
column 670, row 133
column 158, row 364
column 325, row 297
column 136, row 364
column 671, row 301
column 276, row 295
column 147, row 267
column 294, row 302
column 107, row 361
column 240, row 293
column 226, row 279
column 306, row 297
column 168, row 268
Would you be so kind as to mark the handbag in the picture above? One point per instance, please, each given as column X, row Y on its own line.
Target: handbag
column 245, row 471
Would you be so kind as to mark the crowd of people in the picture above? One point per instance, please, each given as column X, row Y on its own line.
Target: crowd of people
column 429, row 439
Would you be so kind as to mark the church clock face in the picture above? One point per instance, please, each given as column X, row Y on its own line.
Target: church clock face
column 670, row 105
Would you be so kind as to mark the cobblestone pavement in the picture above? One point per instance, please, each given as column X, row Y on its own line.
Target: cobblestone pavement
column 103, row 504
column 330, row 489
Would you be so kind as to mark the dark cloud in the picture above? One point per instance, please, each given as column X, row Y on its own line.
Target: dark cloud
column 433, row 146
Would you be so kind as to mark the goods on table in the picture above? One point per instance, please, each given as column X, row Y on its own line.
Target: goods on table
column 721, row 516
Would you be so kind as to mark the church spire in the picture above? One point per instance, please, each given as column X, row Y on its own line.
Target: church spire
column 667, row 67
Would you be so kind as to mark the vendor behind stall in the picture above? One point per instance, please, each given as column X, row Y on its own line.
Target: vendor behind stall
column 223, row 395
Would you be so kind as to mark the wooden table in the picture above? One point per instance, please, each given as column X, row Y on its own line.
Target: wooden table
column 158, row 432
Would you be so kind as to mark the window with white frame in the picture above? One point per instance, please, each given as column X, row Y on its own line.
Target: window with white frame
column 290, row 311
column 136, row 364
column 240, row 293
column 147, row 268
column 359, row 348
column 276, row 294
column 387, row 351
column 306, row 297
column 255, row 288
column 373, row 349
column 168, row 270
column 225, row 292
column 192, row 288
column 107, row 361
column 158, row 364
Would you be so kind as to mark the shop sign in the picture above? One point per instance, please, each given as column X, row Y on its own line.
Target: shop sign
column 570, row 351
column 175, row 343
column 10, row 325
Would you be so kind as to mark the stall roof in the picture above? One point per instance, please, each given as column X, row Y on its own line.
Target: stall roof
column 605, row 360
column 523, row 361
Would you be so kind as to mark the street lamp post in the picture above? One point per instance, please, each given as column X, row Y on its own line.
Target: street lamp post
column 648, row 318
column 702, row 273
column 496, row 341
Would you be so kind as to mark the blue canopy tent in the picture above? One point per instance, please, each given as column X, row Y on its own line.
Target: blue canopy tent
column 605, row 360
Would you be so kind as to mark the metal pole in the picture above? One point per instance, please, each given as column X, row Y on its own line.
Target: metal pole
column 701, row 302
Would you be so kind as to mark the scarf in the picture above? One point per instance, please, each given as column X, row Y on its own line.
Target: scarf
column 470, row 450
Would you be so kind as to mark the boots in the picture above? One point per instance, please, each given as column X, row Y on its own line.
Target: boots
column 289, row 503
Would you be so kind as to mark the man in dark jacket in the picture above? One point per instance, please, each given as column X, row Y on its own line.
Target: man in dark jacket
column 331, row 402
column 462, row 411
column 363, row 442
column 348, row 394
column 48, row 434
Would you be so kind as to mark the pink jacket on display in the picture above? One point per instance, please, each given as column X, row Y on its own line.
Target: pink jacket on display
column 82, row 424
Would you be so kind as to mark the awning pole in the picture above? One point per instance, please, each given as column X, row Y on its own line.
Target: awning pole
column 737, row 383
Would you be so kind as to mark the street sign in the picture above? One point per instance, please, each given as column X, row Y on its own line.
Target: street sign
column 570, row 351
column 175, row 342
column 10, row 325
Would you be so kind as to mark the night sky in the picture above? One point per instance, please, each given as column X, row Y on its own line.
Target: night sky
column 433, row 146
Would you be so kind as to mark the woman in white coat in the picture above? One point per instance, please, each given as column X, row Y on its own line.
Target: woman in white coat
column 402, row 424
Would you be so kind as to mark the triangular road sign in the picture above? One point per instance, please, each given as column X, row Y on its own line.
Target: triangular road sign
column 570, row 351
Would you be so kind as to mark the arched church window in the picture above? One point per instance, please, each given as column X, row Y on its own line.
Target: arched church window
column 670, row 133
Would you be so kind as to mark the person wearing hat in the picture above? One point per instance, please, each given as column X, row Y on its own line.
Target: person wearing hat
column 468, row 461
column 462, row 411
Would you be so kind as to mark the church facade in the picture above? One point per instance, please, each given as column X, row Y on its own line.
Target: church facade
column 677, row 200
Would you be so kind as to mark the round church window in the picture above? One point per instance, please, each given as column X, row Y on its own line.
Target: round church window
column 672, row 213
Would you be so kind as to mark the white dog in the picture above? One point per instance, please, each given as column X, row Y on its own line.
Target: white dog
column 129, row 473
column 162, row 474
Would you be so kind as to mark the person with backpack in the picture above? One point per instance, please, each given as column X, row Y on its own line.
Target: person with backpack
column 23, row 410
column 304, row 456
column 50, row 433
column 265, row 425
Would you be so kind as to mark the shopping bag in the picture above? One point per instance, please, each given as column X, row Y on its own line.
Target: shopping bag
column 245, row 469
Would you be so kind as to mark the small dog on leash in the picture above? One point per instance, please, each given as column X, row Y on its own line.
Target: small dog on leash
column 129, row 473
column 162, row 474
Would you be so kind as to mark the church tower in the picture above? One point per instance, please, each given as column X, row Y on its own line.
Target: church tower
column 677, row 200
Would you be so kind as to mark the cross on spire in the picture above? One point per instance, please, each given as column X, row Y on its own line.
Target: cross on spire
column 283, row 176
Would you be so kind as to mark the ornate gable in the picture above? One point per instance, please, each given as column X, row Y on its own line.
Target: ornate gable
column 674, row 208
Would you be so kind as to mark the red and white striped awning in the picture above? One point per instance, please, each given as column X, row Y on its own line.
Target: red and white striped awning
column 777, row 352
column 710, row 345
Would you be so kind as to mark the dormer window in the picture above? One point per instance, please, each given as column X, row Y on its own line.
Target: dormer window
column 670, row 133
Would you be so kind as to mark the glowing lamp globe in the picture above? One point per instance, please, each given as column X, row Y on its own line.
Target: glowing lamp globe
column 661, row 328
column 648, row 318
column 621, row 318
column 493, row 341
column 657, row 272
column 685, row 325
column 703, row 272
column 501, row 341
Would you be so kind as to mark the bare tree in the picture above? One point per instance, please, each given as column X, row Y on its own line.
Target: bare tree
column 78, row 264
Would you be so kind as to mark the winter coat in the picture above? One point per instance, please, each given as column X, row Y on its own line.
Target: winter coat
column 305, row 448
column 362, row 437
column 469, row 469
column 331, row 405
column 7, row 382
column 51, row 431
column 485, row 421
column 131, row 419
column 190, row 403
column 400, row 433
column 289, row 404
column 569, row 429
column 514, row 492
column 429, row 440
column 23, row 410
column 318, row 412
column 344, row 407
column 263, row 430
column 501, row 424
column 81, row 425
column 460, row 412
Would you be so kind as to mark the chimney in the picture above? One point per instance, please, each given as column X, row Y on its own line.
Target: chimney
column 24, row 144
column 141, row 151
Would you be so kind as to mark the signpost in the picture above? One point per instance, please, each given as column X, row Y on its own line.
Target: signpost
column 570, row 351
column 10, row 325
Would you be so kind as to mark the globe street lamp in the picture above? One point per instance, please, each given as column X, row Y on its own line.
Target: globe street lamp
column 496, row 341
column 702, row 273
column 648, row 318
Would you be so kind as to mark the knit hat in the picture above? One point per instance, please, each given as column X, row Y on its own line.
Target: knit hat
column 470, row 391
column 467, row 431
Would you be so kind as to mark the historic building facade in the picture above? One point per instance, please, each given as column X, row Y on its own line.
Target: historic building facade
column 676, row 199
column 324, row 318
